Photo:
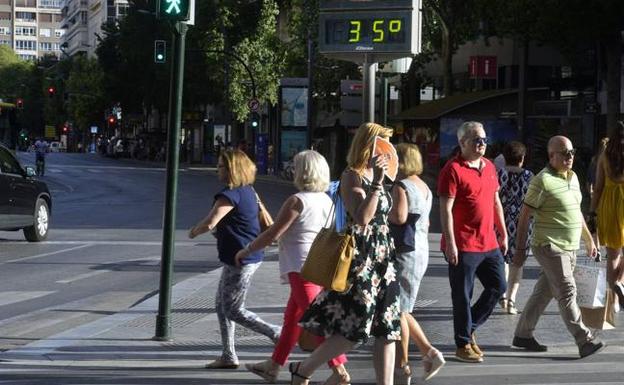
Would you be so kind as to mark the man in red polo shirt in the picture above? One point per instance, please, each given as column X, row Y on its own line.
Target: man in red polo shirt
column 470, row 210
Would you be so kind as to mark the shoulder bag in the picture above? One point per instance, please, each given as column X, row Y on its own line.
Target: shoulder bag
column 405, row 233
column 329, row 259
column 264, row 217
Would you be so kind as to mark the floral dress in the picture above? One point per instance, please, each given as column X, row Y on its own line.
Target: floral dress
column 371, row 306
column 513, row 187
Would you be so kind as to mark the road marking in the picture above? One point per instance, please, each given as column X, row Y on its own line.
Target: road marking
column 115, row 168
column 154, row 258
column 83, row 276
column 94, row 171
column 112, row 242
column 46, row 254
column 9, row 297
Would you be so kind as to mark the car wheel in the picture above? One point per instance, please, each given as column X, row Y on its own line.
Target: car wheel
column 39, row 230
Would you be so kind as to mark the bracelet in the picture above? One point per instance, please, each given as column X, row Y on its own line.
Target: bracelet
column 376, row 184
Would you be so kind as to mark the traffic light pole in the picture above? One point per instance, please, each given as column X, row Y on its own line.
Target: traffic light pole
column 163, row 319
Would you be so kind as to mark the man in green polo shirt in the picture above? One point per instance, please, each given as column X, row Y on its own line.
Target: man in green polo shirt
column 554, row 201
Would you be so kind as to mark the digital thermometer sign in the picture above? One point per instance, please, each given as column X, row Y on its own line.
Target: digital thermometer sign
column 359, row 27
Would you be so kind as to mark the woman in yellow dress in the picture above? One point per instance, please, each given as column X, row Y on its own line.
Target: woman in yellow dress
column 607, row 208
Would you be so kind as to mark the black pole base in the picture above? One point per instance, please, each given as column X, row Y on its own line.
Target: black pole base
column 163, row 329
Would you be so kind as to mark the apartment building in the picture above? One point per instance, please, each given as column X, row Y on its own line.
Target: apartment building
column 83, row 20
column 31, row 27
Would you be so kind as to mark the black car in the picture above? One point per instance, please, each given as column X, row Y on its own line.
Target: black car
column 25, row 202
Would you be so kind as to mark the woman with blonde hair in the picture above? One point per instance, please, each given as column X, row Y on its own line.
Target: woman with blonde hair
column 607, row 208
column 411, row 195
column 234, row 215
column 298, row 222
column 371, row 305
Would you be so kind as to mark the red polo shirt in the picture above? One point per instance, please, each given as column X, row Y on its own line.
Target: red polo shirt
column 473, row 210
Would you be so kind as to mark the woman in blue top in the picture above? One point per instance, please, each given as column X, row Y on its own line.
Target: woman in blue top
column 234, row 214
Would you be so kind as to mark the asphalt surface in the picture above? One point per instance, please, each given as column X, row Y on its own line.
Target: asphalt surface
column 119, row 349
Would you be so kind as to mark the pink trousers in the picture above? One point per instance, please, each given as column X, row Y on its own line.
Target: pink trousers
column 302, row 293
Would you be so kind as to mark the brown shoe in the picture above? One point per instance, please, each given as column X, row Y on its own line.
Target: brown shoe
column 474, row 346
column 466, row 354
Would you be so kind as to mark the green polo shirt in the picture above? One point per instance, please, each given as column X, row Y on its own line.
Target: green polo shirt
column 556, row 199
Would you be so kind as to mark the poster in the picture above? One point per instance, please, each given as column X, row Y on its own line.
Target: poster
column 294, row 107
column 293, row 141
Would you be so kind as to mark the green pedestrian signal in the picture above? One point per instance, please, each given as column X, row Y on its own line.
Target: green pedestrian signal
column 175, row 10
column 160, row 51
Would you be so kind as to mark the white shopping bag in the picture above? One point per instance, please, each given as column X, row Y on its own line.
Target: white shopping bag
column 591, row 283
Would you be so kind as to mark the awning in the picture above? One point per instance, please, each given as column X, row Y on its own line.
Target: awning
column 440, row 107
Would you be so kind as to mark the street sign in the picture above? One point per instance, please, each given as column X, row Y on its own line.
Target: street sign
column 253, row 105
column 94, row 129
column 381, row 30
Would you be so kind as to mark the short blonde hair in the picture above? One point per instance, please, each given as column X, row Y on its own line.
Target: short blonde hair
column 239, row 168
column 362, row 144
column 311, row 171
column 410, row 160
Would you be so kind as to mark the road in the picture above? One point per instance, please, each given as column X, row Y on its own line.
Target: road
column 103, row 251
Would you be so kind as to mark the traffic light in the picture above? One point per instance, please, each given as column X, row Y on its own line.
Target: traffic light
column 174, row 10
column 111, row 120
column 160, row 51
column 65, row 129
column 19, row 103
column 51, row 91
column 254, row 120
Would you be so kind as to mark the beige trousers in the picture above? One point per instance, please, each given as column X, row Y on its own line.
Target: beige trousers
column 555, row 281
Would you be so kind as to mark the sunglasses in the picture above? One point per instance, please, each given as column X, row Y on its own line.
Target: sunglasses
column 480, row 141
column 568, row 153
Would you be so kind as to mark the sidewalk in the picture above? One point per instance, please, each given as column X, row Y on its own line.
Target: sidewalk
column 119, row 349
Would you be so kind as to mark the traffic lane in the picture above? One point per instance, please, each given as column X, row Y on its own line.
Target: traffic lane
column 65, row 274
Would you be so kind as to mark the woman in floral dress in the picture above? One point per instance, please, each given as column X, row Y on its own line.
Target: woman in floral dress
column 370, row 307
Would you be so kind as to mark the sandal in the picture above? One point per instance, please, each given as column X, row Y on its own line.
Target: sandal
column 262, row 369
column 433, row 361
column 293, row 368
column 511, row 307
column 221, row 364
column 403, row 375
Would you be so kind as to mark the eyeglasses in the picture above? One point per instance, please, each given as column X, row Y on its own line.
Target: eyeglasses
column 480, row 141
column 568, row 153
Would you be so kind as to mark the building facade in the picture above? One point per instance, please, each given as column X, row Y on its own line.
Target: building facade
column 31, row 27
column 84, row 19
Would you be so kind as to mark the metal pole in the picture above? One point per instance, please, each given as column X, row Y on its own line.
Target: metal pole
column 163, row 319
column 369, row 91
column 310, row 88
column 383, row 99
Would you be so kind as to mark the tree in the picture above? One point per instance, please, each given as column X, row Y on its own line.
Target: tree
column 457, row 21
column 85, row 93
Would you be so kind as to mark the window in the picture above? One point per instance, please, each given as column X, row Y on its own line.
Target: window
column 45, row 46
column 25, row 31
column 26, row 16
column 26, row 45
column 5, row 42
column 8, row 164
column 27, row 57
column 5, row 15
column 26, row 3
column 59, row 32
column 5, row 31
column 44, row 32
column 5, row 2
column 51, row 4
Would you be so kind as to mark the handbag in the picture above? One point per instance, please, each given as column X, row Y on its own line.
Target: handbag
column 404, row 234
column 591, row 283
column 264, row 217
column 329, row 259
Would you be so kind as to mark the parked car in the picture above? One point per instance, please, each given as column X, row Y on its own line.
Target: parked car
column 25, row 202
column 57, row 147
